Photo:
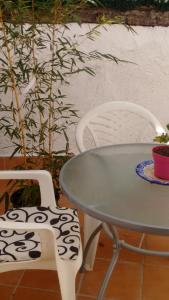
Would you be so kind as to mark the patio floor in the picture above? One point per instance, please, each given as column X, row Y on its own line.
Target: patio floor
column 136, row 277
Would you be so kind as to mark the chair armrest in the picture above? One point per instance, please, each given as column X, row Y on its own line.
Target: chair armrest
column 43, row 177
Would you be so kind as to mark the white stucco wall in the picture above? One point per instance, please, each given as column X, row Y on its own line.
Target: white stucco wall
column 145, row 82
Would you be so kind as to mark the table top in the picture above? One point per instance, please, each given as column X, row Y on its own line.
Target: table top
column 104, row 184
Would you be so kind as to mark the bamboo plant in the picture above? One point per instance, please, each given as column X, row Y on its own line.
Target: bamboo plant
column 37, row 60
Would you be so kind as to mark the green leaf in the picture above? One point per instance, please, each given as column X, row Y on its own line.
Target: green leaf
column 3, row 61
column 16, row 150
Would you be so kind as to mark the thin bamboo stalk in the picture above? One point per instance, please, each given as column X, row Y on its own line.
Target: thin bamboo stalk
column 51, row 105
column 34, row 63
column 57, row 17
column 15, row 90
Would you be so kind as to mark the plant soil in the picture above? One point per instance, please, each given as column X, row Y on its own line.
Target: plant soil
column 164, row 151
column 140, row 16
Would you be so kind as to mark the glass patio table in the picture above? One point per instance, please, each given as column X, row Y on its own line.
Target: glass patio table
column 104, row 184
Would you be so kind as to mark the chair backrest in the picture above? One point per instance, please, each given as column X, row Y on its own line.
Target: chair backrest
column 116, row 122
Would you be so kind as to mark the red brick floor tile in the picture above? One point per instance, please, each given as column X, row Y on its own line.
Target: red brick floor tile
column 10, row 278
column 133, row 238
column 124, row 283
column 155, row 283
column 160, row 243
column 105, row 246
column 33, row 294
column 6, row 292
column 42, row 279
column 85, row 298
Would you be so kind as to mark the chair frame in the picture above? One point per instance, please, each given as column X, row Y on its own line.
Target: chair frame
column 91, row 224
column 49, row 259
column 116, row 105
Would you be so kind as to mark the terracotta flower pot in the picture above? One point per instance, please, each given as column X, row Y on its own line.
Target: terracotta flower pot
column 161, row 162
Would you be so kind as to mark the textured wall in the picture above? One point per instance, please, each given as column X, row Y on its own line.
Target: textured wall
column 145, row 81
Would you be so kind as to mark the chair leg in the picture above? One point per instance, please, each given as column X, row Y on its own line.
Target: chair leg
column 90, row 224
column 67, row 282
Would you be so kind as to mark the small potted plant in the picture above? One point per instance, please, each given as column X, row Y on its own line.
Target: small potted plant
column 161, row 156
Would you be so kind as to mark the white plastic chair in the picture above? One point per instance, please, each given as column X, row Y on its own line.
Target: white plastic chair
column 114, row 122
column 45, row 237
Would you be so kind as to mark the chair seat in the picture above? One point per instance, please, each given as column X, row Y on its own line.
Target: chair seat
column 22, row 245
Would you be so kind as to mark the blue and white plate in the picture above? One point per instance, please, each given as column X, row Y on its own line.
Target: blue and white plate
column 145, row 170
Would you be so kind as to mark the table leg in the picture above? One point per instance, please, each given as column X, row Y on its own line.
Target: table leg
column 112, row 232
column 117, row 245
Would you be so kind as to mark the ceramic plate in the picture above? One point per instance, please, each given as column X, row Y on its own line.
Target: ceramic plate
column 145, row 170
